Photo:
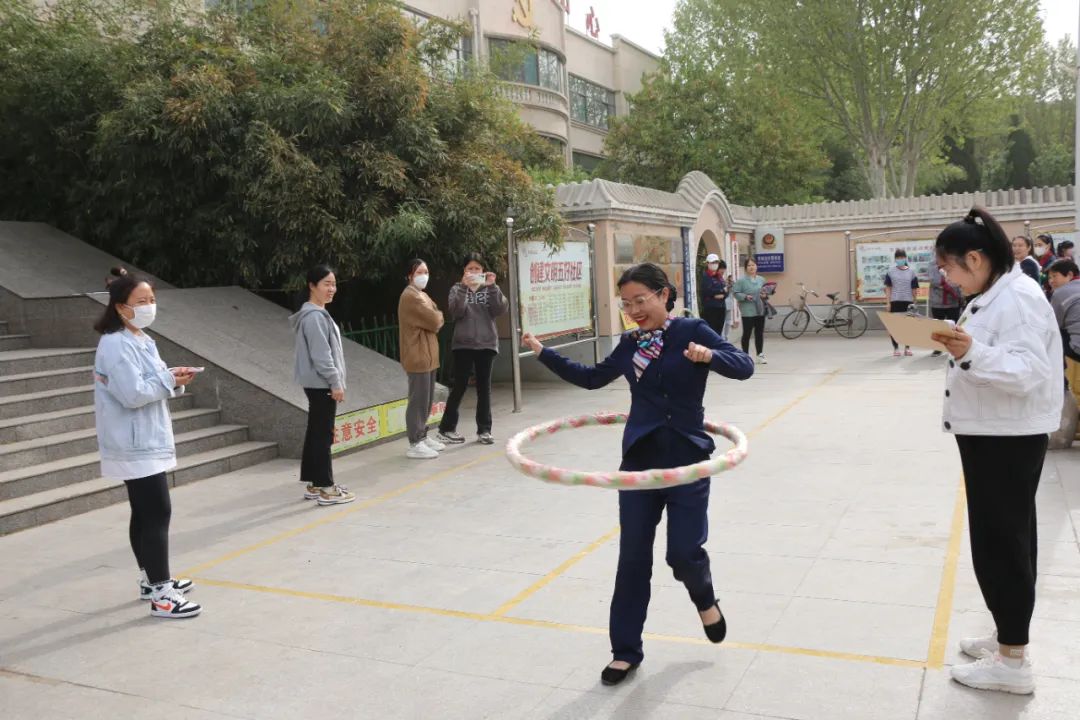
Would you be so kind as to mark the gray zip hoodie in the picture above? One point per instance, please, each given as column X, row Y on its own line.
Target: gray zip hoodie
column 320, row 360
column 474, row 316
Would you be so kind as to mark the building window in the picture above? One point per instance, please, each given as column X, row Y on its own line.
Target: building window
column 590, row 103
column 586, row 162
column 542, row 68
column 457, row 56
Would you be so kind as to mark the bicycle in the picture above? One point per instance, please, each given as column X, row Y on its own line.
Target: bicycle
column 846, row 318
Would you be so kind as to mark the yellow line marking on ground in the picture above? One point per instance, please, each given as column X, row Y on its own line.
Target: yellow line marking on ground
column 939, row 636
column 566, row 565
column 334, row 517
column 551, row 625
column 611, row 534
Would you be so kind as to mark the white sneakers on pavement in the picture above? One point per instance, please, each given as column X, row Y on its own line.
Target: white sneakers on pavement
column 434, row 444
column 980, row 647
column 991, row 673
column 421, row 451
column 168, row 602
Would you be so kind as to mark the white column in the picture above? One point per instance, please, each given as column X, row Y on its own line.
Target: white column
column 1076, row 143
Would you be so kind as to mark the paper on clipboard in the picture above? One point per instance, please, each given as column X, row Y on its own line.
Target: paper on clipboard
column 914, row 331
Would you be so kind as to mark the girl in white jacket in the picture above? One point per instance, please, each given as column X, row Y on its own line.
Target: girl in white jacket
column 1003, row 395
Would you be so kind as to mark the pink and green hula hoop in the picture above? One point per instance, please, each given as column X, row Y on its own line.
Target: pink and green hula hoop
column 622, row 479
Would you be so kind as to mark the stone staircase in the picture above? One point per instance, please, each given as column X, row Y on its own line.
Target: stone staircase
column 48, row 447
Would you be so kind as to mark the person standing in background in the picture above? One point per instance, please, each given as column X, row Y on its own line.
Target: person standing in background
column 1045, row 254
column 945, row 298
column 714, row 293
column 419, row 322
column 320, row 371
column 1024, row 253
column 900, row 286
column 749, row 292
column 475, row 302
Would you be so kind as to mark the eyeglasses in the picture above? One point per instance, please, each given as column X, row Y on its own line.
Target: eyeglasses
column 636, row 303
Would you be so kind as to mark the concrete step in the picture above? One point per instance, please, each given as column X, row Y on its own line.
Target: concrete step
column 14, row 342
column 46, row 401
column 29, row 427
column 49, row 505
column 58, row 446
column 14, row 362
column 78, row 468
column 3, row 327
column 41, row 381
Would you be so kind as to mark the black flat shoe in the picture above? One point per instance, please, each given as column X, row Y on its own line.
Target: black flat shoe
column 718, row 630
column 614, row 676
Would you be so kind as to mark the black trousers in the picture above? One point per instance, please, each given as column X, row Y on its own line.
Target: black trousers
column 687, row 531
column 945, row 313
column 315, row 466
column 465, row 361
column 1001, row 475
column 899, row 306
column 715, row 317
column 754, row 325
column 148, row 531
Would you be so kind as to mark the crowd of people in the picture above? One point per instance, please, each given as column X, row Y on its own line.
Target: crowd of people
column 1003, row 396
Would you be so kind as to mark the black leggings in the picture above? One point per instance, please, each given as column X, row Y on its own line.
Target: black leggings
column 898, row 306
column 715, row 317
column 1001, row 475
column 315, row 466
column 464, row 362
column 148, row 531
column 754, row 325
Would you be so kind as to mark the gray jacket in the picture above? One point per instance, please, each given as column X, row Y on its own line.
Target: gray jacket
column 320, row 361
column 938, row 298
column 474, row 316
column 1066, row 304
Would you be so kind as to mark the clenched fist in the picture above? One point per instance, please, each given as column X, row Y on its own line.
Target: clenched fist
column 698, row 353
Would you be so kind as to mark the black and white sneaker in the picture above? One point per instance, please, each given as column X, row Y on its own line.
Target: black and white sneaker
column 168, row 602
column 485, row 438
column 146, row 590
column 450, row 438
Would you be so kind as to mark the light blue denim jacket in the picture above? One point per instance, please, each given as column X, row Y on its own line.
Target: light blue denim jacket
column 132, row 386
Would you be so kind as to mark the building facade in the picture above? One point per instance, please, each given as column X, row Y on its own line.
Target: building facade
column 568, row 86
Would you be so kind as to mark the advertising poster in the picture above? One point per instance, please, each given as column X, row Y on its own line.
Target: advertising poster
column 362, row 427
column 555, row 289
column 769, row 244
column 873, row 260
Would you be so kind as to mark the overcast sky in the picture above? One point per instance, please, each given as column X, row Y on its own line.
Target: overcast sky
column 645, row 22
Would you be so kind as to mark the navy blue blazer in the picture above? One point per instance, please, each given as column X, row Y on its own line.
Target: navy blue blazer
column 671, row 389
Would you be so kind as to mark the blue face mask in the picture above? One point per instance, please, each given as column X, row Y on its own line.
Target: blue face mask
column 901, row 262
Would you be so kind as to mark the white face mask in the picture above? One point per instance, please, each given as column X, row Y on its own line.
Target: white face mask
column 1040, row 250
column 714, row 266
column 144, row 315
column 420, row 281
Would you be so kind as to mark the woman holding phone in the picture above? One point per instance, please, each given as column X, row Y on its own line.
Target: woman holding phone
column 132, row 387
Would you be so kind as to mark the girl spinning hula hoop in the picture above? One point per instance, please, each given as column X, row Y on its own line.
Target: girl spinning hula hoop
column 667, row 363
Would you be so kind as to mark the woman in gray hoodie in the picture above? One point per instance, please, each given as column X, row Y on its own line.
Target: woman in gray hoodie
column 475, row 302
column 320, row 370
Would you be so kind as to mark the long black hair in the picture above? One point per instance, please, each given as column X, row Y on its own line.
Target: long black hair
column 1063, row 246
column 652, row 277
column 413, row 264
column 978, row 232
column 1049, row 240
column 120, row 290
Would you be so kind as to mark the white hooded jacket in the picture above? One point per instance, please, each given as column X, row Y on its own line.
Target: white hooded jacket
column 1010, row 382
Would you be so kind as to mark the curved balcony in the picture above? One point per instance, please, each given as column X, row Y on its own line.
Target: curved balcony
column 536, row 97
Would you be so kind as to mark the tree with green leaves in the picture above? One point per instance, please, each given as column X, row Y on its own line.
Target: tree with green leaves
column 893, row 77
column 241, row 148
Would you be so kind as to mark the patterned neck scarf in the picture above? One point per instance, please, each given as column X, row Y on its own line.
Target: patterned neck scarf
column 650, row 344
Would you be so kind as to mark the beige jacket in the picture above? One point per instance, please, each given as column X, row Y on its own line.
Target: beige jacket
column 419, row 321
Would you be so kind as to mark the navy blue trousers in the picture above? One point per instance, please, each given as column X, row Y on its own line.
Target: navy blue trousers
column 687, row 529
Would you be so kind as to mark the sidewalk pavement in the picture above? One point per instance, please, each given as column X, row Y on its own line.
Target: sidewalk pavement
column 457, row 588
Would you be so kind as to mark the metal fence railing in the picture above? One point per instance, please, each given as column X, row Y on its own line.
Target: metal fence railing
column 381, row 335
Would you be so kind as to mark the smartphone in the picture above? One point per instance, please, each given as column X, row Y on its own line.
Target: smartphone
column 192, row 369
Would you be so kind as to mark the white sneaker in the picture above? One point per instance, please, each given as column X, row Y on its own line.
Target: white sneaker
column 761, row 359
column 980, row 647
column 146, row 590
column 168, row 602
column 433, row 444
column 991, row 673
column 420, row 451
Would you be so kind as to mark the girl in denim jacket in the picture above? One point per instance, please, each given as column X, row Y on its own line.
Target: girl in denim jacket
column 135, row 438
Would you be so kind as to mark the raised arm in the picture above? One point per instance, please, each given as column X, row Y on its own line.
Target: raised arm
column 584, row 376
column 725, row 359
column 456, row 302
column 497, row 302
